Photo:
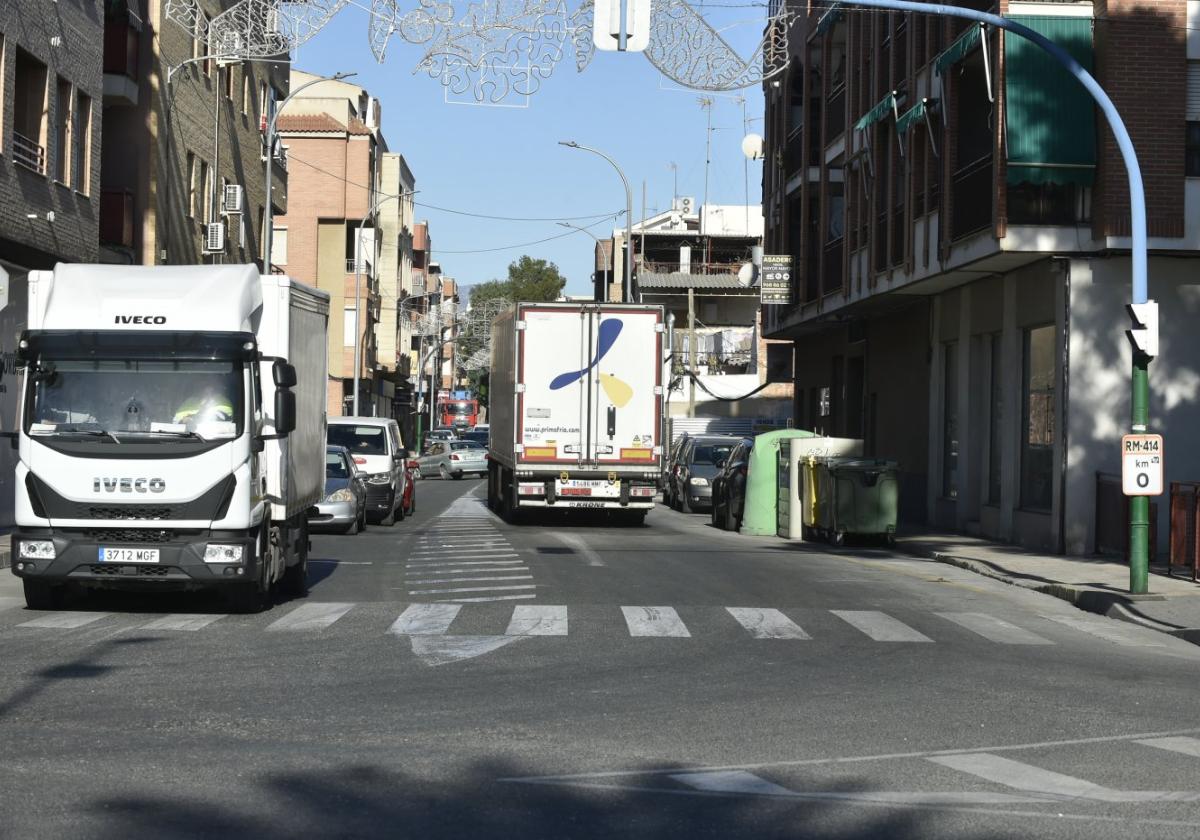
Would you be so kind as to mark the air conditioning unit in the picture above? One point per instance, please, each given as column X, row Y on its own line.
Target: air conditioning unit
column 232, row 198
column 214, row 238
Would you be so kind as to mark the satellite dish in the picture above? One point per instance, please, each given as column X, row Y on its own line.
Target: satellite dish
column 752, row 146
column 746, row 275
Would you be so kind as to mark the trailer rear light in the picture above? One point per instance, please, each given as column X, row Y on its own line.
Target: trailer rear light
column 531, row 489
column 641, row 491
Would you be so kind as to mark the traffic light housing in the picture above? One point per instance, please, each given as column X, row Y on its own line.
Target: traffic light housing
column 1144, row 334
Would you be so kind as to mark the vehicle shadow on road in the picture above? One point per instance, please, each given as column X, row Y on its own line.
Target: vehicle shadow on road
column 363, row 800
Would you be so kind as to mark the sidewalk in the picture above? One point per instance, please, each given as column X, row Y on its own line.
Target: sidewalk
column 1093, row 584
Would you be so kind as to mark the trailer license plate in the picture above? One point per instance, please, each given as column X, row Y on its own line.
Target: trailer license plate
column 596, row 488
column 128, row 555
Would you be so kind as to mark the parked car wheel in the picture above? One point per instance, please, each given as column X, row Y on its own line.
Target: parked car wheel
column 362, row 519
column 684, row 505
column 443, row 472
column 731, row 521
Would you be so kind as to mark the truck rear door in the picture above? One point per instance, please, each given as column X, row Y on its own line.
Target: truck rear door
column 553, row 352
column 626, row 371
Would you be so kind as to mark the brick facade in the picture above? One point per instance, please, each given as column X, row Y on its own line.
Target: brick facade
column 67, row 38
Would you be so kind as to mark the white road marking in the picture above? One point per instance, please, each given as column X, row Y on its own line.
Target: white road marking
column 654, row 621
column 1101, row 628
column 767, row 623
column 1178, row 744
column 475, row 544
column 471, row 589
column 483, row 599
column 66, row 620
column 880, row 626
column 456, row 569
column 424, row 620
column 429, row 557
column 311, row 617
column 538, row 621
column 182, row 621
column 995, row 629
column 424, row 581
column 344, row 562
column 580, row 545
column 731, row 781
column 443, row 563
column 10, row 603
column 439, row 650
column 1026, row 777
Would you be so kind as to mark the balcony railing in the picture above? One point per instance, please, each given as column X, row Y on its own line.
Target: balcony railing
column 972, row 192
column 116, row 218
column 655, row 267
column 358, row 266
column 28, row 153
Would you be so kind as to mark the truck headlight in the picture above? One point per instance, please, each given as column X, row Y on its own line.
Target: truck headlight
column 698, row 482
column 222, row 553
column 379, row 478
column 37, row 550
column 343, row 495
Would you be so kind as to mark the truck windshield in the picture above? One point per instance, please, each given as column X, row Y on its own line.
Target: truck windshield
column 150, row 398
column 460, row 408
column 360, row 440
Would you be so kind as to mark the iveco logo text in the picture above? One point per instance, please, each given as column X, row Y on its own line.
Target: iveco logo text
column 128, row 485
column 139, row 319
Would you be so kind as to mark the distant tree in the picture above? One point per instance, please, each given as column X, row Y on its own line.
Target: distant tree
column 536, row 280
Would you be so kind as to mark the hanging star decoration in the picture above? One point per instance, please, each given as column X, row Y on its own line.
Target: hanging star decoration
column 493, row 50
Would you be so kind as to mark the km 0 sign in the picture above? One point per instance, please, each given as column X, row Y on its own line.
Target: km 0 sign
column 1142, row 465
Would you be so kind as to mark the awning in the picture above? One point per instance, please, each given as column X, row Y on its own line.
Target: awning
column 1050, row 119
column 914, row 114
column 886, row 106
column 957, row 51
column 826, row 21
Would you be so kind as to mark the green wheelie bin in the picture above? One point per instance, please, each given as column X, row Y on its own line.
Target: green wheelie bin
column 856, row 496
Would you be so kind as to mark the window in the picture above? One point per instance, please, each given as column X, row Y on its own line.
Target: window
column 205, row 193
column 29, row 113
column 349, row 319
column 245, row 93
column 262, row 106
column 62, row 131
column 228, row 82
column 779, row 362
column 995, row 424
column 1037, row 419
column 191, row 185
column 279, row 246
column 1191, row 165
column 950, row 420
column 200, row 43
column 81, row 150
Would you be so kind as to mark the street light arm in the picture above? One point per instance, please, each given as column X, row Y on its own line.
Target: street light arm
column 627, row 280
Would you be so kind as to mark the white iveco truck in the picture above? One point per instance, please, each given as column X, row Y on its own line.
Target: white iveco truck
column 575, row 404
column 171, row 431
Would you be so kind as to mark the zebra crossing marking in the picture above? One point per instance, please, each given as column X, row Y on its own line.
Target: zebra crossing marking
column 470, row 589
column 182, row 621
column 425, row 581
column 65, row 621
column 767, row 623
column 995, row 629
column 1177, row 743
column 425, row 620
column 1099, row 627
column 310, row 617
column 880, row 626
column 655, row 621
column 539, row 620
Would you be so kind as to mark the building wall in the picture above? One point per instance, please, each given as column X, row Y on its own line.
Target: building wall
column 73, row 235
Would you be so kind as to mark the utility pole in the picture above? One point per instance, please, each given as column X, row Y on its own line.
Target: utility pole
column 692, row 351
column 745, row 165
column 706, row 102
column 674, row 182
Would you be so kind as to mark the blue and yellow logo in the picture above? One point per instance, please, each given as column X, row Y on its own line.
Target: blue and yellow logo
column 617, row 390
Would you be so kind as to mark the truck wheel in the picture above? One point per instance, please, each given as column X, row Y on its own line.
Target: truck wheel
column 294, row 582
column 246, row 598
column 40, row 595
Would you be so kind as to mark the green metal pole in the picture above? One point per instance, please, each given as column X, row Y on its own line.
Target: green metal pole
column 1139, row 506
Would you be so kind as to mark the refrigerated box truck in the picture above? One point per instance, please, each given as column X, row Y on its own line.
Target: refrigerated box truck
column 575, row 407
column 171, row 431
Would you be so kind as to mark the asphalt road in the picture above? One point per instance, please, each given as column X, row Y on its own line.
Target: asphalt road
column 456, row 676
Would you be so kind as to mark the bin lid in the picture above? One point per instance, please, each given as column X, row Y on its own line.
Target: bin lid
column 861, row 464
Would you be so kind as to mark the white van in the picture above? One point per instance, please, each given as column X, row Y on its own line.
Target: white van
column 377, row 450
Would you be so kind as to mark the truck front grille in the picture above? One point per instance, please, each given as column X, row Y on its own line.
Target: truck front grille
column 141, row 571
column 125, row 512
column 117, row 536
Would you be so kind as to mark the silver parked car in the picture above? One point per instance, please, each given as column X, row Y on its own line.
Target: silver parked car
column 454, row 459
column 344, row 506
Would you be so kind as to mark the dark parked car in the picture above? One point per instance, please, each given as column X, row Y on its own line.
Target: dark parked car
column 669, row 464
column 344, row 505
column 729, row 487
column 696, row 466
column 480, row 436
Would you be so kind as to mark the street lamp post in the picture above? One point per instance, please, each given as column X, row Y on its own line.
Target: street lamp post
column 627, row 280
column 269, row 216
column 599, row 247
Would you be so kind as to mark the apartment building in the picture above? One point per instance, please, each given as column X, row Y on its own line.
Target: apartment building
column 50, row 93
column 180, row 127
column 393, row 333
column 959, row 224
column 329, row 235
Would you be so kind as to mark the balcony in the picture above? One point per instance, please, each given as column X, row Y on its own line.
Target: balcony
column 122, row 40
column 971, row 188
column 116, row 218
column 29, row 154
column 835, row 115
column 279, row 183
column 831, row 273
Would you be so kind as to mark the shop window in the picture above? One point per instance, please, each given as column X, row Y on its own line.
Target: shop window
column 950, row 420
column 1037, row 419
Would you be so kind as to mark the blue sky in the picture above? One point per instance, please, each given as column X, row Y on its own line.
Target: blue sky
column 506, row 161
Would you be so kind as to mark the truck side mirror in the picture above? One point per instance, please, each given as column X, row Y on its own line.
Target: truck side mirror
column 283, row 374
column 401, row 454
column 285, row 412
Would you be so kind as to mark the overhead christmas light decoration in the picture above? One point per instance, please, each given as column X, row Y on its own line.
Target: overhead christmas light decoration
column 490, row 52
